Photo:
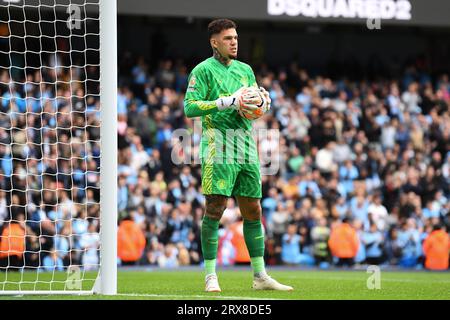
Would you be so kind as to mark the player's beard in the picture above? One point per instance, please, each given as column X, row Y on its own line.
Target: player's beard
column 232, row 56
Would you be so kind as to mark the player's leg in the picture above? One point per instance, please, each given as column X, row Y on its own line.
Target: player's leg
column 248, row 194
column 253, row 232
column 217, row 184
column 254, row 239
column 215, row 205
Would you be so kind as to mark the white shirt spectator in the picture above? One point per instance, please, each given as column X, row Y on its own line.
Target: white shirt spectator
column 379, row 215
column 139, row 159
column 412, row 100
column 324, row 160
column 446, row 169
column 388, row 136
column 339, row 105
column 90, row 242
column 342, row 152
column 3, row 211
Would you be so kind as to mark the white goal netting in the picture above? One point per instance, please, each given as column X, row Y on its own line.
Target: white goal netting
column 49, row 145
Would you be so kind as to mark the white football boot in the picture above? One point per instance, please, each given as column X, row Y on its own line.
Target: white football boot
column 265, row 282
column 212, row 283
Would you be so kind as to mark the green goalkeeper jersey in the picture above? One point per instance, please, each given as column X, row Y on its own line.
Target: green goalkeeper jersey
column 226, row 136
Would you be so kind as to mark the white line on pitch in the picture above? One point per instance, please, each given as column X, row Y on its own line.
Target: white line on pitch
column 384, row 279
column 188, row 296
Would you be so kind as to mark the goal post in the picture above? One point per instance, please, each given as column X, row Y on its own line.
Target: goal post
column 108, row 191
column 58, row 147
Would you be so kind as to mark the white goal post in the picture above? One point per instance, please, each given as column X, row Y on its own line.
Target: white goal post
column 58, row 147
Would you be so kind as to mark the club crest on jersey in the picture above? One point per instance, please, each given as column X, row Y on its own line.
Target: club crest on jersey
column 192, row 81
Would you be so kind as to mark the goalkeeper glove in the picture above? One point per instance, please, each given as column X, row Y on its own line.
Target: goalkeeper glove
column 255, row 103
column 231, row 102
column 266, row 101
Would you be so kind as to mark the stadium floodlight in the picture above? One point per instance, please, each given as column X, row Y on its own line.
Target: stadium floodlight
column 58, row 147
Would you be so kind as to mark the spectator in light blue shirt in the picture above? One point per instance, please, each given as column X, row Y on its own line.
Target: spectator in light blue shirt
column 79, row 227
column 429, row 212
column 140, row 72
column 52, row 262
column 382, row 118
column 122, row 194
column 402, row 135
column 409, row 241
column 361, row 254
column 373, row 241
column 359, row 208
column 7, row 164
column 308, row 183
column 342, row 207
column 164, row 134
column 304, row 98
column 347, row 173
column 62, row 245
column 269, row 204
column 122, row 101
column 169, row 258
column 290, row 249
column 19, row 101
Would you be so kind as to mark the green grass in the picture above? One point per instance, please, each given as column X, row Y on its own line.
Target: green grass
column 236, row 284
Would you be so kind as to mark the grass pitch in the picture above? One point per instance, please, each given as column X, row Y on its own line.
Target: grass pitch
column 188, row 284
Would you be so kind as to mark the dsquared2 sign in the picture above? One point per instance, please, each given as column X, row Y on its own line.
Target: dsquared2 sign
column 363, row 9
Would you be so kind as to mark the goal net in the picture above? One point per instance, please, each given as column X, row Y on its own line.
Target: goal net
column 57, row 223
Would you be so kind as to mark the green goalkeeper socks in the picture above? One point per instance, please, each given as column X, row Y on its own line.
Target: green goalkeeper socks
column 210, row 266
column 254, row 239
column 258, row 265
column 210, row 240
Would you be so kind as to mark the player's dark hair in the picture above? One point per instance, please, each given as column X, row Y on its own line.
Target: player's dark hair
column 218, row 25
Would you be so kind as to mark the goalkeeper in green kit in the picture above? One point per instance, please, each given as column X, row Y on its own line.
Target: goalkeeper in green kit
column 223, row 92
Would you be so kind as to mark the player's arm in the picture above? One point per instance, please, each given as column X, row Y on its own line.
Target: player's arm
column 196, row 103
column 198, row 108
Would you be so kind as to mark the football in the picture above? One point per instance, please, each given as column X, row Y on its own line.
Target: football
column 251, row 103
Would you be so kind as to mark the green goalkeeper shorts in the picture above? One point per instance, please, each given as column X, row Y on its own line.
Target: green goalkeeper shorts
column 232, row 179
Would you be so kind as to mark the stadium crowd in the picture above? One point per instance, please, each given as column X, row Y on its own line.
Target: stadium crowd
column 364, row 170
column 49, row 159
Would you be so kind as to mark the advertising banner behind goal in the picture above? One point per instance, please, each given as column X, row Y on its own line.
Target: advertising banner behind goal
column 400, row 12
